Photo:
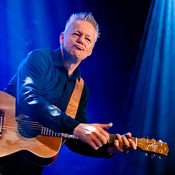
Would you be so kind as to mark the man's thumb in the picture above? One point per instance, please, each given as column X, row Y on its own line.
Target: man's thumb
column 106, row 126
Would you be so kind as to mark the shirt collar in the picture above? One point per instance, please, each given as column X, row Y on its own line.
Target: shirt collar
column 59, row 62
column 58, row 58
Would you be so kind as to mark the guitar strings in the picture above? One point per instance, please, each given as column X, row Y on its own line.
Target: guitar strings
column 47, row 132
column 35, row 125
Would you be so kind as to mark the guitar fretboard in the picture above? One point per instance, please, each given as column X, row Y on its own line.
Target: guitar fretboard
column 48, row 132
column 113, row 137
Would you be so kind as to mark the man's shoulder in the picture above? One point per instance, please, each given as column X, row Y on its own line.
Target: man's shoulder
column 44, row 52
column 42, row 55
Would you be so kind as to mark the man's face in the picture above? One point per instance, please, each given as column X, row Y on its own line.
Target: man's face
column 79, row 39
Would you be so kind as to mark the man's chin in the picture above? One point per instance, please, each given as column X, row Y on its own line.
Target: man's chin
column 77, row 58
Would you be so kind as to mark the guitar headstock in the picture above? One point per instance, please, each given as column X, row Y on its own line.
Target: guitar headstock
column 153, row 146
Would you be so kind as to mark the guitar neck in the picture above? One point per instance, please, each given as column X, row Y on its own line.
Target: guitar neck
column 113, row 137
column 48, row 132
column 144, row 144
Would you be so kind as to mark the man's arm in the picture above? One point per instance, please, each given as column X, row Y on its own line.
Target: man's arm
column 30, row 78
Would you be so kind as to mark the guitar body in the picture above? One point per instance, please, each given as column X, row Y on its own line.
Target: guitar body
column 42, row 150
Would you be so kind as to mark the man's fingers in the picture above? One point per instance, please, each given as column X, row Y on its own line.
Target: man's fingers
column 105, row 126
column 120, row 143
column 118, row 146
column 132, row 143
column 93, row 145
column 103, row 138
column 96, row 141
column 128, row 135
column 109, row 125
column 124, row 143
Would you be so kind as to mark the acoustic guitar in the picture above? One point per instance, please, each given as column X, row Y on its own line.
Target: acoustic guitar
column 42, row 145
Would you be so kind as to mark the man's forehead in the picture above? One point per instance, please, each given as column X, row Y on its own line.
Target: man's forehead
column 82, row 24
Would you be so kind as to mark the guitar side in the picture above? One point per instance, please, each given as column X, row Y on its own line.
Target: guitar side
column 42, row 150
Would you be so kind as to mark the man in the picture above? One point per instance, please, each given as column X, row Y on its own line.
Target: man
column 46, row 78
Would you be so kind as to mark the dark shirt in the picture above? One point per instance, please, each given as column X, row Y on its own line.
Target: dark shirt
column 42, row 81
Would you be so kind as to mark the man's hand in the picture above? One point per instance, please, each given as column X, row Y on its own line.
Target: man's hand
column 93, row 134
column 96, row 136
column 122, row 144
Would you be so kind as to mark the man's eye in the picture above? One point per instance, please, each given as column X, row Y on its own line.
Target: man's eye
column 88, row 39
column 76, row 34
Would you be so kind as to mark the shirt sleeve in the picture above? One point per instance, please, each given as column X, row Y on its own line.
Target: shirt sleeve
column 30, row 74
column 82, row 148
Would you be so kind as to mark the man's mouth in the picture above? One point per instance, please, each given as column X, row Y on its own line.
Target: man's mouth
column 79, row 47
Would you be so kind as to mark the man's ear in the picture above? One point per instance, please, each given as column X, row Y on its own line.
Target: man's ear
column 62, row 38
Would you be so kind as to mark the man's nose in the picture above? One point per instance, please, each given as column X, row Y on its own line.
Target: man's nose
column 80, row 40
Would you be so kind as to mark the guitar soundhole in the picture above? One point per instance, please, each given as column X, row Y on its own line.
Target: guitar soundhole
column 27, row 128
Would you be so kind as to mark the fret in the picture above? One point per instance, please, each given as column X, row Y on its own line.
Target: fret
column 42, row 128
column 46, row 131
column 49, row 132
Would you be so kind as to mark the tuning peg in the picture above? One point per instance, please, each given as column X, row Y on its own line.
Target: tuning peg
column 153, row 140
column 152, row 156
column 146, row 154
column 160, row 141
column 160, row 157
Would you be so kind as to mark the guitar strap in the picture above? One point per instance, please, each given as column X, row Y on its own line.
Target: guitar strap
column 74, row 101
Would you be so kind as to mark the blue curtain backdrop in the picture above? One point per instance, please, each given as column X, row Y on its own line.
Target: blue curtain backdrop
column 130, row 74
column 152, row 87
